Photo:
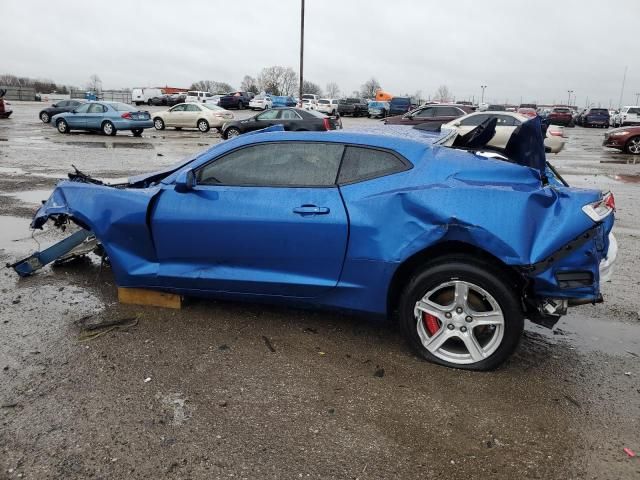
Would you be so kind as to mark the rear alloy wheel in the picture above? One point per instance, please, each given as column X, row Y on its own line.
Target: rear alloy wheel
column 231, row 132
column 62, row 126
column 44, row 116
column 203, row 125
column 461, row 314
column 158, row 123
column 633, row 146
column 108, row 128
column 137, row 132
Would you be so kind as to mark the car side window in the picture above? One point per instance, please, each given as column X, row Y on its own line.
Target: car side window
column 425, row 113
column 64, row 104
column 268, row 115
column 286, row 164
column 96, row 108
column 507, row 121
column 361, row 163
column 179, row 108
column 289, row 115
column 192, row 107
column 83, row 108
column 447, row 112
column 474, row 120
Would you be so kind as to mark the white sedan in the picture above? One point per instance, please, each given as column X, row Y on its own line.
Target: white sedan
column 260, row 102
column 507, row 123
column 202, row 116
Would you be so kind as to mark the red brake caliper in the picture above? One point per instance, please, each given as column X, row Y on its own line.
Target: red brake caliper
column 431, row 323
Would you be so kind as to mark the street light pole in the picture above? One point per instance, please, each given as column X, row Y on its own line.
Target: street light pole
column 569, row 101
column 637, row 95
column 301, row 50
column 482, row 99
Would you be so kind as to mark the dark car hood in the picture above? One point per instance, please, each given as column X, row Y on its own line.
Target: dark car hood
column 526, row 145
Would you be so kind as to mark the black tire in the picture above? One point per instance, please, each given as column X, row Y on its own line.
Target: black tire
column 45, row 117
column 158, row 123
column 178, row 128
column 231, row 132
column 203, row 125
column 108, row 128
column 633, row 146
column 240, row 106
column 468, row 270
column 62, row 126
column 137, row 132
column 149, row 102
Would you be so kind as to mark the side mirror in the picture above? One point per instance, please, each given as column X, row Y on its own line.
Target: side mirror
column 457, row 124
column 55, row 105
column 73, row 111
column 185, row 181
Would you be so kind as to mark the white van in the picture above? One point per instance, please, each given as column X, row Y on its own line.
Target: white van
column 144, row 95
column 202, row 97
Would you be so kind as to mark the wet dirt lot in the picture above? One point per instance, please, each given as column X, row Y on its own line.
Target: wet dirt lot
column 226, row 390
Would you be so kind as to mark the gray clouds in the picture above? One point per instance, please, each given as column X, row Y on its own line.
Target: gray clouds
column 534, row 50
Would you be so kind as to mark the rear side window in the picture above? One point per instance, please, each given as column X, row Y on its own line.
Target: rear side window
column 366, row 163
column 635, row 110
column 290, row 164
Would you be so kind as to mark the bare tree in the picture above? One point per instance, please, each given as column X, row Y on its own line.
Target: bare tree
column 95, row 84
column 369, row 88
column 310, row 87
column 333, row 91
column 278, row 80
column 211, row 86
column 443, row 94
column 249, row 84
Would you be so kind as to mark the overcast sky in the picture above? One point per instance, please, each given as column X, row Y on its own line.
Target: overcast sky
column 519, row 49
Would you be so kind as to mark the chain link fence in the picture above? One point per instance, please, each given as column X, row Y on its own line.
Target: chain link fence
column 19, row 93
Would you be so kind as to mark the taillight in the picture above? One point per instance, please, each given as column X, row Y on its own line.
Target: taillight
column 327, row 125
column 126, row 115
column 597, row 211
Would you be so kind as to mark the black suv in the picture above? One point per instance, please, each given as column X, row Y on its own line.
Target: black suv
column 237, row 100
column 353, row 106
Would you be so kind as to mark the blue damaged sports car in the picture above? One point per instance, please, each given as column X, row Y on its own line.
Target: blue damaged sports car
column 460, row 243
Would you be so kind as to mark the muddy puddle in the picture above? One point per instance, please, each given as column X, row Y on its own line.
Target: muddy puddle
column 15, row 235
column 33, row 197
column 588, row 334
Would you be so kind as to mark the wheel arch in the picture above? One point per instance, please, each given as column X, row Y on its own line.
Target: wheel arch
column 408, row 268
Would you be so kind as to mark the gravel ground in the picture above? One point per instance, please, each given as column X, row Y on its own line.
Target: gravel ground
column 226, row 390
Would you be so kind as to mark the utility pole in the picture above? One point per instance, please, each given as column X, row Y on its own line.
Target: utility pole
column 569, row 101
column 637, row 95
column 301, row 50
column 482, row 99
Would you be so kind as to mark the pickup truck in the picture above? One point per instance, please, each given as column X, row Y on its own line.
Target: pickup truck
column 237, row 100
column 353, row 106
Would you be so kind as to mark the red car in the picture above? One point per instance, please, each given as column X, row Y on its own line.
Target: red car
column 527, row 112
column 626, row 139
column 560, row 116
column 436, row 114
column 5, row 107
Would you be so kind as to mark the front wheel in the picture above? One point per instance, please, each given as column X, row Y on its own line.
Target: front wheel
column 44, row 116
column 231, row 132
column 108, row 128
column 461, row 313
column 633, row 146
column 158, row 123
column 62, row 126
column 203, row 125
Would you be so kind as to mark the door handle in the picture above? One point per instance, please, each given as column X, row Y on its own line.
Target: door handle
column 311, row 210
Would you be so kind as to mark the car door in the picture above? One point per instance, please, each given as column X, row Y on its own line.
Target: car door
column 264, row 219
column 262, row 120
column 289, row 119
column 95, row 115
column 191, row 115
column 424, row 115
column 444, row 113
column 175, row 116
column 78, row 116
column 504, row 128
